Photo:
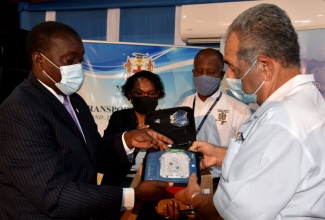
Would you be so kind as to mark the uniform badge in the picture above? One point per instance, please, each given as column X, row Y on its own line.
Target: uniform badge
column 222, row 116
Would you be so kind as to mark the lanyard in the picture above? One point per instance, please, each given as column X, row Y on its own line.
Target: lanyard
column 206, row 115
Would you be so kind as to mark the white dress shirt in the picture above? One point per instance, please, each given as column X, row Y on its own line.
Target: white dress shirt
column 278, row 170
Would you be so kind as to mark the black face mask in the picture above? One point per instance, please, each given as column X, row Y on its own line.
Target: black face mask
column 144, row 104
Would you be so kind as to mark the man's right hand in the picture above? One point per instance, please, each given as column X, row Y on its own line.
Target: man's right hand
column 212, row 154
column 146, row 138
column 184, row 195
column 151, row 190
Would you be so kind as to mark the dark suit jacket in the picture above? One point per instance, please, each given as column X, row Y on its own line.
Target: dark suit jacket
column 120, row 121
column 46, row 168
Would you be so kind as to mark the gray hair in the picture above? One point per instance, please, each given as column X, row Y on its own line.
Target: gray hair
column 266, row 30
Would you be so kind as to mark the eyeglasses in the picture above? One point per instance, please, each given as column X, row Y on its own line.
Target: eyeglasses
column 138, row 93
column 207, row 72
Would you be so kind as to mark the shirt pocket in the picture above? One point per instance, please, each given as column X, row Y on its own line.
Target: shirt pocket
column 232, row 152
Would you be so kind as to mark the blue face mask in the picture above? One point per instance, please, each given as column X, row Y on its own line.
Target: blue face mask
column 206, row 85
column 235, row 88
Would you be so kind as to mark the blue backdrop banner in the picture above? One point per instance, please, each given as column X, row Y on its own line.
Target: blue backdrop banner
column 107, row 66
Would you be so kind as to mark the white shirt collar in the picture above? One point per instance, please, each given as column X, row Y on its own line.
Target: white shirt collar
column 285, row 89
column 60, row 97
column 212, row 97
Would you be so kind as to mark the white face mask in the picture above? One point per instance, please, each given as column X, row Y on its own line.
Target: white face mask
column 72, row 77
column 235, row 88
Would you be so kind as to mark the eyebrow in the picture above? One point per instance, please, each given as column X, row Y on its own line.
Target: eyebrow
column 226, row 62
column 230, row 65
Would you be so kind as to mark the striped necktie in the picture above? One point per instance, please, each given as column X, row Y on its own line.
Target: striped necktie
column 67, row 105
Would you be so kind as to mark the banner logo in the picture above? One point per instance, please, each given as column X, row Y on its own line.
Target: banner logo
column 138, row 62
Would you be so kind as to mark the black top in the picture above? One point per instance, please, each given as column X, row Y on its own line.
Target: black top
column 120, row 121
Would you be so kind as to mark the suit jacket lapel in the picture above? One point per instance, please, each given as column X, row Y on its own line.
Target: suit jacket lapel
column 84, row 125
column 58, row 108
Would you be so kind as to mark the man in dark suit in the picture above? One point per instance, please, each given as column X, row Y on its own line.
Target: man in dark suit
column 49, row 157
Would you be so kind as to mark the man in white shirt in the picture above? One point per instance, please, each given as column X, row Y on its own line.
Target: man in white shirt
column 276, row 168
column 218, row 116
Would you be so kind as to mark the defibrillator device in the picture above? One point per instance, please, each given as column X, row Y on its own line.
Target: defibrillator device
column 177, row 163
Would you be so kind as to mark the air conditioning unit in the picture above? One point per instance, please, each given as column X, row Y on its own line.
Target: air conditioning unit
column 207, row 23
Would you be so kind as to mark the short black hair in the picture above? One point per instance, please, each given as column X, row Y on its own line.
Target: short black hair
column 212, row 52
column 39, row 39
column 152, row 77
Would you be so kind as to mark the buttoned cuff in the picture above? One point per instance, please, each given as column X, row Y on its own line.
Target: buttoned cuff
column 128, row 151
column 128, row 199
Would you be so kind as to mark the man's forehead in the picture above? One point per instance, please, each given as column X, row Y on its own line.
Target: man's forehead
column 67, row 44
column 231, row 48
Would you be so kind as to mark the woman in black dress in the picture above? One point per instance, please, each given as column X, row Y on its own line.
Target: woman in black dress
column 143, row 90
